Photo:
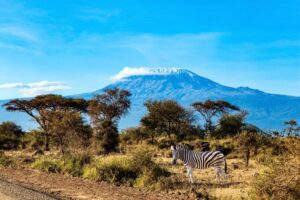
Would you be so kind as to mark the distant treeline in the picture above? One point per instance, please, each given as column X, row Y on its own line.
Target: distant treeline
column 61, row 121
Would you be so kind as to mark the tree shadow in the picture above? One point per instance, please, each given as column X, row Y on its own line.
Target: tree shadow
column 216, row 184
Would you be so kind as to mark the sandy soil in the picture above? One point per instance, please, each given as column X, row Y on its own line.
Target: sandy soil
column 75, row 188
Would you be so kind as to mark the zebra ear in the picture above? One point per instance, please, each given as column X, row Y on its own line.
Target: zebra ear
column 173, row 147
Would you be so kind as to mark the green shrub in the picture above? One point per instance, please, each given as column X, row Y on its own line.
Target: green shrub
column 73, row 163
column 112, row 169
column 34, row 140
column 138, row 170
column 48, row 165
column 10, row 135
column 90, row 172
column 133, row 135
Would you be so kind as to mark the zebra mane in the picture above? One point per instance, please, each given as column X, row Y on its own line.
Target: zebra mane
column 183, row 146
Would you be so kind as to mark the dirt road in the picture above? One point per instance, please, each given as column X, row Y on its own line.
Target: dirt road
column 13, row 191
column 15, row 183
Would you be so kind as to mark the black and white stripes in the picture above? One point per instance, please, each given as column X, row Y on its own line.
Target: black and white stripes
column 200, row 160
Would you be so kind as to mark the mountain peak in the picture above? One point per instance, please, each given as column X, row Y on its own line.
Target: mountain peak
column 127, row 72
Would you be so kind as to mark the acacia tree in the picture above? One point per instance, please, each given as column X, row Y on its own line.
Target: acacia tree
column 292, row 129
column 42, row 107
column 105, row 111
column 69, row 127
column 247, row 140
column 210, row 109
column 251, row 139
column 166, row 116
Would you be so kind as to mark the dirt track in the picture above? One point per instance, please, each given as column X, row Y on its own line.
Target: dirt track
column 56, row 186
column 13, row 191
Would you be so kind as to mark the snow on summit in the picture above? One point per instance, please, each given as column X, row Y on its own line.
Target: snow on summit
column 128, row 71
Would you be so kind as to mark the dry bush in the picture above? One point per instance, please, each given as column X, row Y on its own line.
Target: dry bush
column 265, row 159
column 113, row 169
column 281, row 181
column 137, row 170
column 6, row 161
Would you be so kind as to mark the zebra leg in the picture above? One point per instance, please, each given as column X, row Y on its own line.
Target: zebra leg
column 224, row 174
column 217, row 170
column 190, row 174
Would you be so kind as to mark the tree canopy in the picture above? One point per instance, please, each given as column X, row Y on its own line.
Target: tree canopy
column 42, row 107
column 210, row 109
column 105, row 110
column 166, row 116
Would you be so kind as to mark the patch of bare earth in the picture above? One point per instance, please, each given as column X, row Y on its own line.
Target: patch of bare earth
column 76, row 188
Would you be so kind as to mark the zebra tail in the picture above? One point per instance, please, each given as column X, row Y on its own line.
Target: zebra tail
column 225, row 167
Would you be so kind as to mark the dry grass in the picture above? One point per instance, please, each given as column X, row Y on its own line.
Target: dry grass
column 240, row 184
column 237, row 186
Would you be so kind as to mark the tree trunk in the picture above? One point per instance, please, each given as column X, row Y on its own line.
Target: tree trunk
column 152, row 139
column 255, row 150
column 46, row 148
column 247, row 156
column 61, row 145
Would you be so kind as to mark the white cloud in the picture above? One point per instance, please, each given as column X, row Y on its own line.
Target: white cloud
column 36, row 88
column 44, row 84
column 130, row 72
column 11, row 85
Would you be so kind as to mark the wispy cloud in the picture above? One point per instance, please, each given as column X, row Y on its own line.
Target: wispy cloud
column 18, row 32
column 36, row 88
column 284, row 43
column 97, row 14
column 144, row 43
column 11, row 85
column 148, row 44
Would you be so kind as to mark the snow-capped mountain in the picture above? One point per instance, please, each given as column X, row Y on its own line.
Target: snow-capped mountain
column 267, row 111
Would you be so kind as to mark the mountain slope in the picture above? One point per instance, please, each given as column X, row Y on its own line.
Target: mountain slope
column 267, row 111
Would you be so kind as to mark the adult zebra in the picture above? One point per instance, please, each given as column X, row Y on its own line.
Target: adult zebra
column 201, row 160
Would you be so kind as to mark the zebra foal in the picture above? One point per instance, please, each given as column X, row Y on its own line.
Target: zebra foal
column 201, row 160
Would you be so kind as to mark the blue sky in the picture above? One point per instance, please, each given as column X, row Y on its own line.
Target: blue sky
column 71, row 47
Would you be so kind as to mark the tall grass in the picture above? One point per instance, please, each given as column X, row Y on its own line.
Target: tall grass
column 280, row 181
column 112, row 169
column 137, row 169
column 6, row 161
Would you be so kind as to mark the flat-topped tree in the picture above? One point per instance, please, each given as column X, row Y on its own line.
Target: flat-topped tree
column 293, row 129
column 210, row 109
column 41, row 108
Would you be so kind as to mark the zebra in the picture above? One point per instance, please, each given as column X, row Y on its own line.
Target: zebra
column 201, row 160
